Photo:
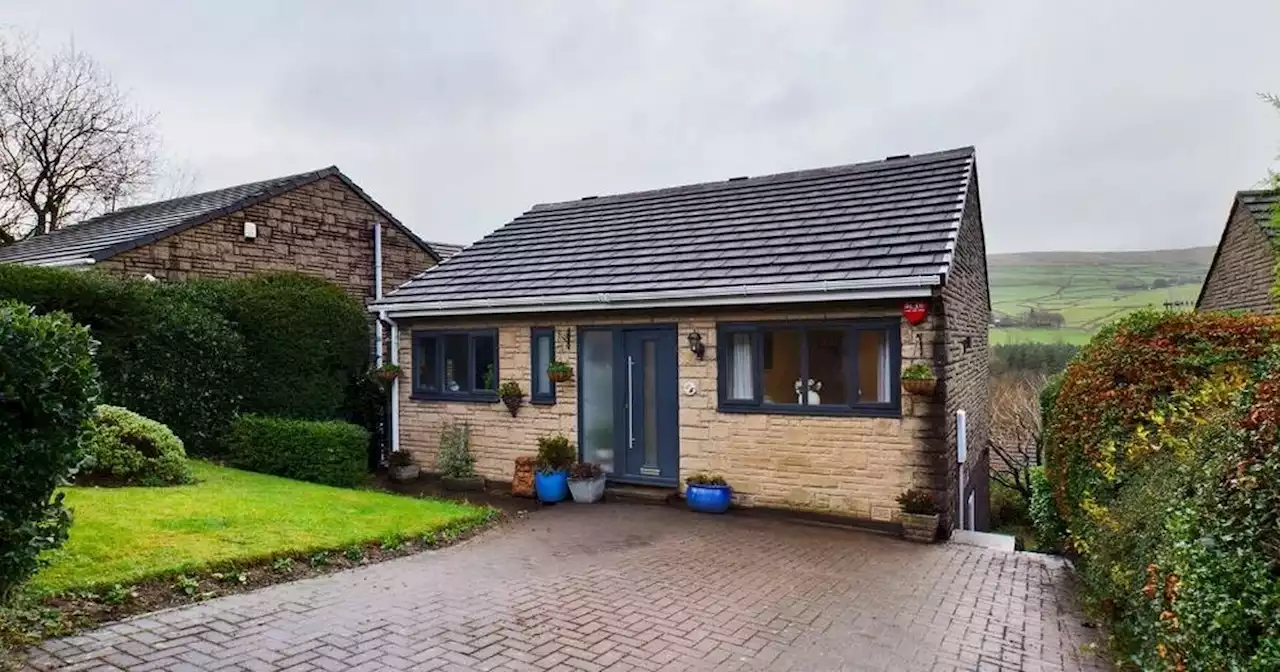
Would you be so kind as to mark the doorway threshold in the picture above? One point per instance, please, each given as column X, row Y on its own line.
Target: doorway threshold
column 644, row 494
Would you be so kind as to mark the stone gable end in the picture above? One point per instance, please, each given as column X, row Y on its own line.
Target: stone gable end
column 1244, row 269
column 323, row 229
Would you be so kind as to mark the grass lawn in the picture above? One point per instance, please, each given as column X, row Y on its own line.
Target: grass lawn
column 1005, row 335
column 125, row 535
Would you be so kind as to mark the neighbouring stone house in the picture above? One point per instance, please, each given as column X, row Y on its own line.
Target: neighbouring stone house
column 692, row 317
column 1244, row 266
column 317, row 223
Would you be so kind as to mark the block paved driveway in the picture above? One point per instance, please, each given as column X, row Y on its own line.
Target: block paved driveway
column 628, row 587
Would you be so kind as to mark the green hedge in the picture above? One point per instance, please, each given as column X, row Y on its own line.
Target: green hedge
column 128, row 449
column 161, row 355
column 191, row 355
column 48, row 385
column 307, row 340
column 1163, row 458
column 329, row 452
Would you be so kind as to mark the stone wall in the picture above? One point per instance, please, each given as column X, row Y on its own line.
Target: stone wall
column 322, row 229
column 846, row 465
column 967, row 365
column 1243, row 270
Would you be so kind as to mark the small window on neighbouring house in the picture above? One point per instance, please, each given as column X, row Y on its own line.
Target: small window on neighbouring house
column 845, row 367
column 542, row 352
column 455, row 365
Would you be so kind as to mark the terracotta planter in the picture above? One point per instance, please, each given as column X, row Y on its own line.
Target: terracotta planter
column 462, row 484
column 923, row 388
column 405, row 472
column 920, row 528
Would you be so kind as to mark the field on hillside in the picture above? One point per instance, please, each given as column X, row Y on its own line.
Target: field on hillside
column 1088, row 290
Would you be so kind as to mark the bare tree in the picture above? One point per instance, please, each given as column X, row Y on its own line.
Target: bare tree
column 1016, row 439
column 71, row 144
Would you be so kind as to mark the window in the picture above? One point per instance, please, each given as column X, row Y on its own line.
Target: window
column 542, row 351
column 821, row 368
column 455, row 365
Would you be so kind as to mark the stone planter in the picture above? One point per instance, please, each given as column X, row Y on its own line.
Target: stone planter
column 405, row 473
column 587, row 491
column 522, row 481
column 920, row 528
column 921, row 387
column 462, row 484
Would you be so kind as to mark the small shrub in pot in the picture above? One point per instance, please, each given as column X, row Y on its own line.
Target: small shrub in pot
column 586, row 482
column 919, row 516
column 707, row 492
column 402, row 467
column 555, row 456
column 559, row 372
column 512, row 396
column 457, row 464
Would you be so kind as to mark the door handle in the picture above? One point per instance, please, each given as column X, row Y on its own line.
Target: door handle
column 631, row 429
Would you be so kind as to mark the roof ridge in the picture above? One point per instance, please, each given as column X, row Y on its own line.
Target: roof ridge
column 757, row 180
column 322, row 172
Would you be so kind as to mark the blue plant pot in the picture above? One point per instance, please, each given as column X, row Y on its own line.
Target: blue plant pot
column 551, row 486
column 708, row 498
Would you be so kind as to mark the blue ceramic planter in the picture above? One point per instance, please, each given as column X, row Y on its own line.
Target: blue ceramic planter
column 708, row 498
column 552, row 486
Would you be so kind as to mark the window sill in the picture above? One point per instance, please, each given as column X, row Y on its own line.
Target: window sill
column 543, row 402
column 472, row 399
column 828, row 412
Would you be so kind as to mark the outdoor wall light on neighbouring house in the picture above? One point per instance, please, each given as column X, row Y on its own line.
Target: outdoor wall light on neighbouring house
column 695, row 344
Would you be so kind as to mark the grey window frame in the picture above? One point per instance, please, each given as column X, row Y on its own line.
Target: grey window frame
column 534, row 366
column 851, row 328
column 469, row 394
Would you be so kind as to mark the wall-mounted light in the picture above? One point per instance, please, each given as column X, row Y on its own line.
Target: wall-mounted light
column 695, row 344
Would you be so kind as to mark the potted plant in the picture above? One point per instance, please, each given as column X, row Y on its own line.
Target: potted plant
column 559, row 372
column 403, row 468
column 386, row 373
column 918, row 379
column 551, row 478
column 586, row 482
column 457, row 464
column 707, row 492
column 919, row 516
column 512, row 395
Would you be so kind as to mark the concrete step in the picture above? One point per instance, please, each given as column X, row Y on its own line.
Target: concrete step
column 644, row 494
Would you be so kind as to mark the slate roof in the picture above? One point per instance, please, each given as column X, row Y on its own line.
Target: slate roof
column 1261, row 205
column 445, row 250
column 883, row 223
column 107, row 235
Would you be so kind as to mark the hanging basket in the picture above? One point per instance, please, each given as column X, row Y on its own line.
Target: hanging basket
column 560, row 376
column 921, row 387
column 513, row 404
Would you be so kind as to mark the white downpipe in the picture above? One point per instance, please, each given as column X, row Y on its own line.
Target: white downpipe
column 962, row 454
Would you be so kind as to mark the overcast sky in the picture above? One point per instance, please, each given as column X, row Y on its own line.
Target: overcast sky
column 1097, row 127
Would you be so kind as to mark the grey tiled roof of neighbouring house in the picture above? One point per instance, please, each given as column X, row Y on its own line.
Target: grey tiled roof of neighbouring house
column 445, row 250
column 107, row 235
column 1261, row 205
column 884, row 223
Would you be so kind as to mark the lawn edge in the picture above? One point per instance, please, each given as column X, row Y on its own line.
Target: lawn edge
column 36, row 617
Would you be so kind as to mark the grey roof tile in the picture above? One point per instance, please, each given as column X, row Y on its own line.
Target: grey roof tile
column 884, row 219
column 1261, row 205
column 107, row 235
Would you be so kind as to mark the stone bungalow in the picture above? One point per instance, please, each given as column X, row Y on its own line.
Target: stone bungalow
column 1243, row 269
column 317, row 223
column 692, row 317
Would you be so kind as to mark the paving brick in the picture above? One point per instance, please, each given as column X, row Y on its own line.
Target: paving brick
column 626, row 588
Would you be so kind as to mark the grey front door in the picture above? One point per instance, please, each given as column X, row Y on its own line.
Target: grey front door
column 650, row 436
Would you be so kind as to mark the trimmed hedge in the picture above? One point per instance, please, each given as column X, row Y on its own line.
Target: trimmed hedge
column 48, row 385
column 161, row 355
column 307, row 340
column 191, row 355
column 329, row 452
column 1163, row 454
column 128, row 449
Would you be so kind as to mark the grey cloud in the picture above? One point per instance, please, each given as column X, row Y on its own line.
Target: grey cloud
column 1098, row 125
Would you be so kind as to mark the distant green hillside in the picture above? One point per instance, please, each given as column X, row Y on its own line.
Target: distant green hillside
column 1033, row 293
